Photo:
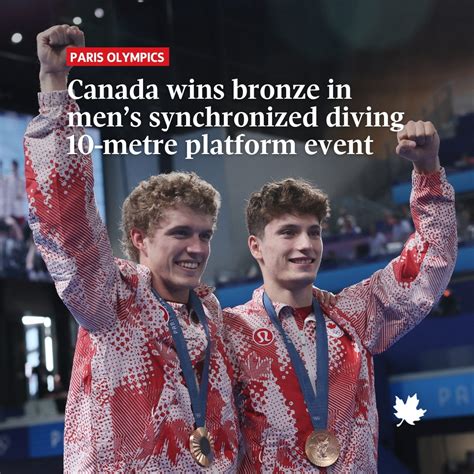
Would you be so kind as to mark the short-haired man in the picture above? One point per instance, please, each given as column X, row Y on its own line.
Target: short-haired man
column 305, row 379
column 150, row 389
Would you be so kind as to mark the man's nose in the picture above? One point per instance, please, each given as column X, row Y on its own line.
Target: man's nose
column 304, row 241
column 197, row 245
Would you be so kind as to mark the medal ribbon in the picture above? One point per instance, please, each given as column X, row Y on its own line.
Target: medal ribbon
column 316, row 403
column 198, row 396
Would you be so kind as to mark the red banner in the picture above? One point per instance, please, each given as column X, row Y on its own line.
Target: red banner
column 117, row 56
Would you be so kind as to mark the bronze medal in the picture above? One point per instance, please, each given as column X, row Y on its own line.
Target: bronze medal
column 201, row 446
column 322, row 448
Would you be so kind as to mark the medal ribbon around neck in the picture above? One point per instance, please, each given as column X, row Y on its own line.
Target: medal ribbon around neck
column 198, row 396
column 316, row 403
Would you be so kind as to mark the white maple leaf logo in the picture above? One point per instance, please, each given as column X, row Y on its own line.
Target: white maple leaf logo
column 408, row 411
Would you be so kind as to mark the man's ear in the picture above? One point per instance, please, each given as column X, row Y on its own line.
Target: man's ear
column 138, row 240
column 254, row 246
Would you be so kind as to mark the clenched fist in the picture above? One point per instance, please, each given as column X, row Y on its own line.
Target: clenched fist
column 419, row 143
column 51, row 47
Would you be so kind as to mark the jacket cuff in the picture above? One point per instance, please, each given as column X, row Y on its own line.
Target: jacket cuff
column 48, row 100
column 428, row 180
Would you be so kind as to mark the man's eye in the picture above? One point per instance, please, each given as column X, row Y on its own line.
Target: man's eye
column 181, row 233
column 288, row 232
column 206, row 237
column 315, row 233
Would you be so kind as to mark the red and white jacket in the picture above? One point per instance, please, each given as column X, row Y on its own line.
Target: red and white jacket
column 128, row 408
column 367, row 319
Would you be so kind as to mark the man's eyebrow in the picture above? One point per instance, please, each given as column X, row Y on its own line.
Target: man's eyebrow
column 288, row 226
column 189, row 229
column 296, row 226
column 179, row 227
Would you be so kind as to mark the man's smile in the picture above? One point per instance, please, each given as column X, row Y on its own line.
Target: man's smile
column 302, row 260
column 188, row 264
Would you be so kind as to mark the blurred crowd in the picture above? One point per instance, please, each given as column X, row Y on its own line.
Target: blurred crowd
column 375, row 230
column 18, row 255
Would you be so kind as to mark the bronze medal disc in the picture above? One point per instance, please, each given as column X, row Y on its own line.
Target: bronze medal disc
column 201, row 446
column 322, row 448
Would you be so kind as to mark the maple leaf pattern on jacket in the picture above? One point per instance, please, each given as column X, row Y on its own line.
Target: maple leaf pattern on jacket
column 368, row 317
column 128, row 407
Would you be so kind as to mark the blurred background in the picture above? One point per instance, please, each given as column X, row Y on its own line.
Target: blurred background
column 414, row 57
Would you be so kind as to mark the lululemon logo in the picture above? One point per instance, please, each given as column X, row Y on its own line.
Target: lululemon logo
column 263, row 336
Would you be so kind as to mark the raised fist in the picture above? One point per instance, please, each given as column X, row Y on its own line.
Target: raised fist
column 52, row 45
column 419, row 143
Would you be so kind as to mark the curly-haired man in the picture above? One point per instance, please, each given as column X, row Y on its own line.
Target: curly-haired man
column 150, row 389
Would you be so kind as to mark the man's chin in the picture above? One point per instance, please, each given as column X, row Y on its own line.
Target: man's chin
column 306, row 279
column 300, row 282
column 190, row 283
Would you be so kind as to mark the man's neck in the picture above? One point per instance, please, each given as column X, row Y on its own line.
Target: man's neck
column 171, row 295
column 295, row 297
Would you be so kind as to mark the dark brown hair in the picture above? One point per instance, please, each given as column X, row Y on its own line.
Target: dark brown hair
column 289, row 196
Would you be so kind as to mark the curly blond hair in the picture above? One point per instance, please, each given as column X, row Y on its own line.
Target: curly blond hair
column 289, row 196
column 145, row 205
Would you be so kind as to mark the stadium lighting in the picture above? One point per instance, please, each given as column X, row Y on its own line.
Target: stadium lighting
column 77, row 20
column 99, row 13
column 16, row 38
column 32, row 320
column 48, row 353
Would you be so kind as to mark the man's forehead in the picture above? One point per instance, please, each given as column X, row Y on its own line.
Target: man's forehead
column 181, row 215
column 294, row 219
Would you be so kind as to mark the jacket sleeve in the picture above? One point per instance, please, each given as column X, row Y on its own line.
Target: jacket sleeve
column 63, row 216
column 384, row 307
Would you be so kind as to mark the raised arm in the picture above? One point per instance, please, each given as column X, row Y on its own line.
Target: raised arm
column 63, row 216
column 394, row 300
